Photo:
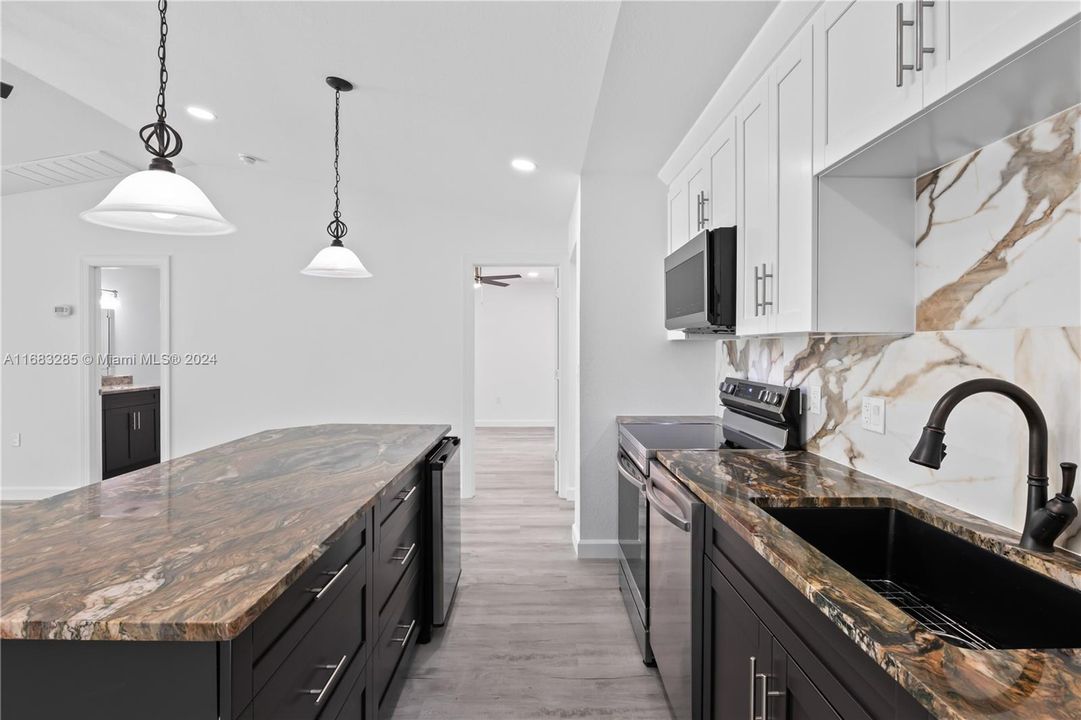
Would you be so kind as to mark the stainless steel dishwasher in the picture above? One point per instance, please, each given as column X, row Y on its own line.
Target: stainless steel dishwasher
column 445, row 531
column 676, row 541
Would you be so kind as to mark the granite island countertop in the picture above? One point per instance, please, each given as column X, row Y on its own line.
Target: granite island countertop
column 118, row 389
column 197, row 547
column 949, row 681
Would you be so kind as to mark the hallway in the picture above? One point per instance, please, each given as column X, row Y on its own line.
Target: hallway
column 533, row 628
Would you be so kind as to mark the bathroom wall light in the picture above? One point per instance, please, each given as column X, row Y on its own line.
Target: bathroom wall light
column 110, row 299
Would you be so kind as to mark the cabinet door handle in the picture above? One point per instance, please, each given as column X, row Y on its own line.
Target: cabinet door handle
column 757, row 304
column 705, row 215
column 407, row 495
column 133, row 415
column 321, row 692
column 408, row 631
column 320, row 591
column 766, row 695
column 922, row 49
column 765, row 303
column 139, row 416
column 901, row 25
column 408, row 554
column 751, row 715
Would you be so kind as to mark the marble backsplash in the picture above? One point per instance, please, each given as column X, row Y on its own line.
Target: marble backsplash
column 998, row 276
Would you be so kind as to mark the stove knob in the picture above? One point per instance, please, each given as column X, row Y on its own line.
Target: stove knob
column 778, row 399
column 762, row 395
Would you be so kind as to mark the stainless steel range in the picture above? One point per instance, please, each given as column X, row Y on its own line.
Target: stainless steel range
column 658, row 517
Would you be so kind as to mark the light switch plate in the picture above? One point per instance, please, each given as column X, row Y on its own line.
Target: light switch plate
column 873, row 416
column 814, row 399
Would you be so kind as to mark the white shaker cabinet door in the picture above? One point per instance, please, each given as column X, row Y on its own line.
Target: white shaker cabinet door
column 721, row 209
column 791, row 96
column 867, row 76
column 678, row 225
column 968, row 37
column 698, row 192
column 757, row 245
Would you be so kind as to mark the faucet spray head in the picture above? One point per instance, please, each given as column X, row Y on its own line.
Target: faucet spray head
column 930, row 449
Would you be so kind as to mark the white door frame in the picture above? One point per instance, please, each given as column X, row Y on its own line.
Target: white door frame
column 90, row 290
column 560, row 262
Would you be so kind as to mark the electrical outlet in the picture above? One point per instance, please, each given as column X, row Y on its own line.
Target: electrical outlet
column 17, row 440
column 814, row 399
column 873, row 415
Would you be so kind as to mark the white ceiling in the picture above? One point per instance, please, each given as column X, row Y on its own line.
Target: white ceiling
column 447, row 92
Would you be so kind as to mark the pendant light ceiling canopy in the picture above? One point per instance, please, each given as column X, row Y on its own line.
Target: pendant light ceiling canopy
column 158, row 200
column 337, row 260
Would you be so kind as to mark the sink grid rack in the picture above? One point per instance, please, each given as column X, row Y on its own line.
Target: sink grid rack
column 928, row 615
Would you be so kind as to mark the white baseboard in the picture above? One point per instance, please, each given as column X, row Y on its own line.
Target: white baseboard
column 594, row 549
column 515, row 423
column 28, row 493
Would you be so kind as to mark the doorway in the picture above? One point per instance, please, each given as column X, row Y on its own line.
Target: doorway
column 127, row 365
column 516, row 361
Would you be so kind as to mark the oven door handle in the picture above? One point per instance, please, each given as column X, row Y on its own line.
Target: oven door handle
column 630, row 478
column 658, row 505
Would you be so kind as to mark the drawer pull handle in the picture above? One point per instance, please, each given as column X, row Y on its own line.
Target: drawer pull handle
column 321, row 693
column 408, row 554
column 407, row 495
column 319, row 592
column 408, row 633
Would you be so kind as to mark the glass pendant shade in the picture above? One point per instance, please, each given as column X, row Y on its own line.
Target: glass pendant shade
column 336, row 261
column 159, row 201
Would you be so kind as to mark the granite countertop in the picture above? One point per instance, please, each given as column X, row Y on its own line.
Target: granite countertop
column 949, row 681
column 114, row 389
column 197, row 547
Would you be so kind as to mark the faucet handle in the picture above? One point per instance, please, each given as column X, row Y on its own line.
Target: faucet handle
column 1069, row 474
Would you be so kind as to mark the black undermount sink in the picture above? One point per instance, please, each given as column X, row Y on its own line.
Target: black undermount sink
column 968, row 596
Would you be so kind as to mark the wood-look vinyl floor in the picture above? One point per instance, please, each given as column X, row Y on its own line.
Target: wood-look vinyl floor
column 534, row 632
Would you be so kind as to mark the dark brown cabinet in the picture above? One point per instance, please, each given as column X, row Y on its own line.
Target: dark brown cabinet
column 781, row 658
column 130, row 431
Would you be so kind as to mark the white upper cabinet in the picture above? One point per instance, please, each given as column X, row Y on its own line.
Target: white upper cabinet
column 964, row 38
column 791, row 101
column 679, row 231
column 867, row 76
column 721, row 149
column 756, row 231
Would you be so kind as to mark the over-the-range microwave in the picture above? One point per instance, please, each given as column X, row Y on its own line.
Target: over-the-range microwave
column 700, row 284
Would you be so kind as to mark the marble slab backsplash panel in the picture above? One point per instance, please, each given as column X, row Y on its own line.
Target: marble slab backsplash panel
column 997, row 241
column 998, row 277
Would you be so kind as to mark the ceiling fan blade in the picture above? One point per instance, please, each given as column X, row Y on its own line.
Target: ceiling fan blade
column 502, row 277
column 486, row 281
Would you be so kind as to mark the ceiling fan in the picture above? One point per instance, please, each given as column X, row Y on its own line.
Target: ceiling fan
column 479, row 279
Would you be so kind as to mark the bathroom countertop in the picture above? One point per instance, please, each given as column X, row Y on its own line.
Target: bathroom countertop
column 115, row 389
column 950, row 682
column 197, row 547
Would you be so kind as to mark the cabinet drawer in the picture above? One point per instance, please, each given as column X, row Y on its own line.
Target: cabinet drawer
column 400, row 626
column 281, row 627
column 400, row 494
column 127, row 399
column 397, row 550
column 354, row 704
column 300, row 688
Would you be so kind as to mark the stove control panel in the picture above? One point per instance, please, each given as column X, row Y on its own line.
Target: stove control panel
column 778, row 402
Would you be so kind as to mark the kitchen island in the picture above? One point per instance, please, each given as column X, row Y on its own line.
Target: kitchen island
column 262, row 578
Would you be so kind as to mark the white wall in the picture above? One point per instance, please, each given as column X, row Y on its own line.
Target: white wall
column 569, row 386
column 291, row 349
column 628, row 366
column 137, row 322
column 516, row 333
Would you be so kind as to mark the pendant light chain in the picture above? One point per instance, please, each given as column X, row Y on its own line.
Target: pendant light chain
column 337, row 228
column 159, row 138
column 163, row 74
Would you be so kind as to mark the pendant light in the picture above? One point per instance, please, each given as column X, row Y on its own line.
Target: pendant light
column 158, row 200
column 337, row 260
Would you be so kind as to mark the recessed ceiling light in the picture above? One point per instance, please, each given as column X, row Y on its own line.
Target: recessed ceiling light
column 202, row 113
column 523, row 165
column 533, row 274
